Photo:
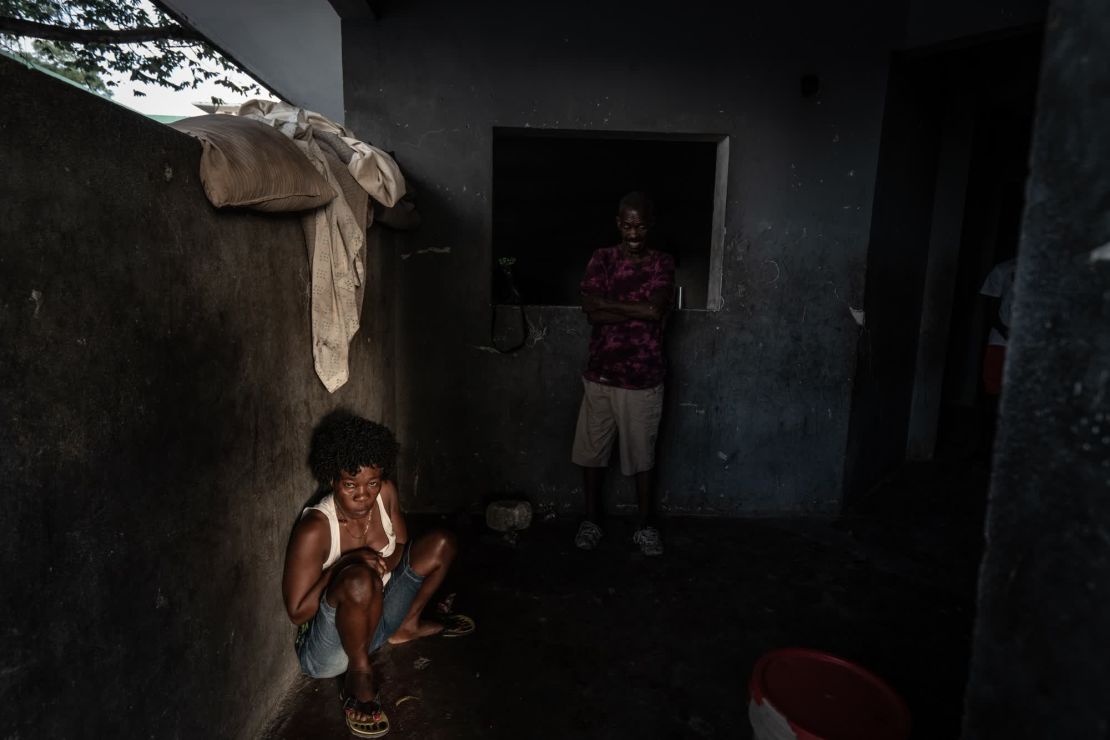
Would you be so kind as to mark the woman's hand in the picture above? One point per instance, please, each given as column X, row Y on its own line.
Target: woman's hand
column 364, row 555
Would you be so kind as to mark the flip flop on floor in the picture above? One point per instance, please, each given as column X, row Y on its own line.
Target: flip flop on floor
column 376, row 726
column 456, row 625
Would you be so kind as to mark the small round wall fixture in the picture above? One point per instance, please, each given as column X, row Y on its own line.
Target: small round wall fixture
column 810, row 85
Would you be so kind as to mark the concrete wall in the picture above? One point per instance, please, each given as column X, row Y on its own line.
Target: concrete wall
column 156, row 397
column 759, row 392
column 1038, row 667
column 937, row 21
column 291, row 45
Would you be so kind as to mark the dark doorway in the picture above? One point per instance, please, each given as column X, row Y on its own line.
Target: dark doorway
column 952, row 164
column 998, row 170
column 948, row 202
column 554, row 201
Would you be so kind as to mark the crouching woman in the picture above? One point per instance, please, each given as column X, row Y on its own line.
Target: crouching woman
column 352, row 578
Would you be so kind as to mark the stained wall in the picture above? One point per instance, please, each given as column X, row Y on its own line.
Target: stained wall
column 156, row 396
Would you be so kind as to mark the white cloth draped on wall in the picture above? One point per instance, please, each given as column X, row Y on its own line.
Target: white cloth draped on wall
column 336, row 233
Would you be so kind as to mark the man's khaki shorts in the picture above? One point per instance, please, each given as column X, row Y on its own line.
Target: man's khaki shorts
column 630, row 415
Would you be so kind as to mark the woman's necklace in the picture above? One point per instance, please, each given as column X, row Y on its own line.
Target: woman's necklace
column 365, row 527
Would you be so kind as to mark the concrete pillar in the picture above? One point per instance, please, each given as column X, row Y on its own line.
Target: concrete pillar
column 1039, row 666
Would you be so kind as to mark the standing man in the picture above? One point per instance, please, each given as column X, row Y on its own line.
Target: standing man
column 626, row 294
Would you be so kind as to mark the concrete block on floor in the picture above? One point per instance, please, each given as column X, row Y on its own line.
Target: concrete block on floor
column 509, row 516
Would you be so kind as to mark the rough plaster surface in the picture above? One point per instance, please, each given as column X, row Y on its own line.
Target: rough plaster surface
column 759, row 393
column 156, row 395
column 1039, row 665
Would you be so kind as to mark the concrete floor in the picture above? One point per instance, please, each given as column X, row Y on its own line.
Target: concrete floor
column 611, row 644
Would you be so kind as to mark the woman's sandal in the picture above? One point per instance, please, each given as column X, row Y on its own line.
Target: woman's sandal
column 376, row 726
column 456, row 625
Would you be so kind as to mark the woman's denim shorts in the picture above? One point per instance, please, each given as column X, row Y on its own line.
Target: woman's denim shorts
column 318, row 646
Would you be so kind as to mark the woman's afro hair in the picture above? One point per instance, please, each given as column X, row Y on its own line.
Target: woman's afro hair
column 345, row 442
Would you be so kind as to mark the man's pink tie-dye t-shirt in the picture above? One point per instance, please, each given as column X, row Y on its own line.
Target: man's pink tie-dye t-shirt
column 627, row 354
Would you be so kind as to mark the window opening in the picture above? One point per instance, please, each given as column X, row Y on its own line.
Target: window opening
column 555, row 196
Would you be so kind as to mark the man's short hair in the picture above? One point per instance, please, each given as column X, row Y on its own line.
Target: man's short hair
column 639, row 202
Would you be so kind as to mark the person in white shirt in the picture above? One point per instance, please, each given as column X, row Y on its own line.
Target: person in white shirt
column 999, row 288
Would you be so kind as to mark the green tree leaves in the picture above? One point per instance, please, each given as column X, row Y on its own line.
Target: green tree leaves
column 86, row 40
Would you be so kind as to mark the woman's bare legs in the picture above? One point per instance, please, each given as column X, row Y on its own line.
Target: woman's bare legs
column 431, row 556
column 357, row 593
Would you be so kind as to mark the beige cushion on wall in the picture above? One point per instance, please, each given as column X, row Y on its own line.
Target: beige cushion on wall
column 246, row 163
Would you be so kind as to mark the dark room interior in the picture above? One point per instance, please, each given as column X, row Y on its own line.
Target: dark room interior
column 549, row 217
column 832, row 279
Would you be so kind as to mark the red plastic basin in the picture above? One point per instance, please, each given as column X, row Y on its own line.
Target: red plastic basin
column 824, row 697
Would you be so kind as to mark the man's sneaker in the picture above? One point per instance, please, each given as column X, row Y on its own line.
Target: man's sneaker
column 649, row 541
column 588, row 535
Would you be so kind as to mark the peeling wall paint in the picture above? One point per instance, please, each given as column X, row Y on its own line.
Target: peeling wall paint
column 427, row 250
column 1100, row 254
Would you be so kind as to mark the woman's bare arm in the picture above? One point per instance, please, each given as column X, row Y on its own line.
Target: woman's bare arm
column 304, row 579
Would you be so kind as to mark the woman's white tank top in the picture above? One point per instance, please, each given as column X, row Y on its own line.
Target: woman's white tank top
column 327, row 508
